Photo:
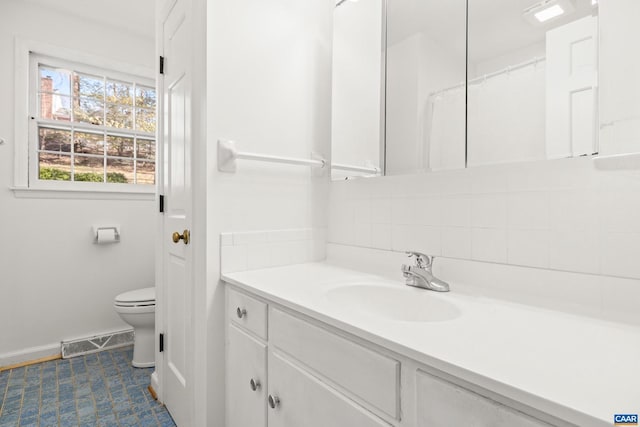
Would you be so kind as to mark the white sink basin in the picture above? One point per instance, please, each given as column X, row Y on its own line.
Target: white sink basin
column 399, row 303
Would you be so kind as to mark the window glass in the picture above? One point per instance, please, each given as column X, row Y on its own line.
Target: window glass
column 93, row 128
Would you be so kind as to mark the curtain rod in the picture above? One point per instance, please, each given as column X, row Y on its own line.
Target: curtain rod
column 505, row 70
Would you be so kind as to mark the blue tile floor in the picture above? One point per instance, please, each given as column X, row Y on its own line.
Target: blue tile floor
column 100, row 389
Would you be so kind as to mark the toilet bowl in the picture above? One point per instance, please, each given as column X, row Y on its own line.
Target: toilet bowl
column 137, row 308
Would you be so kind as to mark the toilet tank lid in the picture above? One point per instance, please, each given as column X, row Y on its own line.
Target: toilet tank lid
column 138, row 295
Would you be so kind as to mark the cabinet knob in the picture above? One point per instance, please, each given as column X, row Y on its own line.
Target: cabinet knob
column 255, row 384
column 241, row 312
column 274, row 401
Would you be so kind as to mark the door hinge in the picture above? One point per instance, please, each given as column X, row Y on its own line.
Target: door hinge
column 161, row 343
column 161, row 203
column 162, row 65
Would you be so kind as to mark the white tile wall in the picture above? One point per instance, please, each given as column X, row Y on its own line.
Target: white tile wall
column 560, row 214
column 251, row 250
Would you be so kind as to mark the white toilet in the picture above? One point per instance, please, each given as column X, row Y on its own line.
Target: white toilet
column 138, row 308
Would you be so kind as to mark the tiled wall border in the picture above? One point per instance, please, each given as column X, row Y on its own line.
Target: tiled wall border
column 251, row 250
column 559, row 215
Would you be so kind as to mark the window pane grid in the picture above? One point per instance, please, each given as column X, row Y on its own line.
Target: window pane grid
column 81, row 127
column 94, row 128
column 132, row 169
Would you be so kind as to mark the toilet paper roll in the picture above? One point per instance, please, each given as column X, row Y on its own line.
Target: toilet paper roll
column 106, row 235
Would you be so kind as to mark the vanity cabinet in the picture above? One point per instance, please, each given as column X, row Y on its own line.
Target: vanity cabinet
column 313, row 378
column 287, row 370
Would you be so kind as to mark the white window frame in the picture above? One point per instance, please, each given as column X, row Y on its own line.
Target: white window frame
column 26, row 182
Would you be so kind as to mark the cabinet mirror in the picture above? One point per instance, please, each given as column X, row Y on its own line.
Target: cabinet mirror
column 430, row 85
column 425, row 91
column 358, row 89
column 533, row 80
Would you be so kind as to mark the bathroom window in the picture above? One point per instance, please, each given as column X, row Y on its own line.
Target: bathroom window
column 90, row 127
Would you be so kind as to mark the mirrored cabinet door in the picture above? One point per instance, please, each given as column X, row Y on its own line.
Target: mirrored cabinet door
column 533, row 80
column 357, row 93
column 430, row 85
column 425, row 90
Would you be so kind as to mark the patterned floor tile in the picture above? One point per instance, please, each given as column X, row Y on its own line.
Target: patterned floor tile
column 101, row 389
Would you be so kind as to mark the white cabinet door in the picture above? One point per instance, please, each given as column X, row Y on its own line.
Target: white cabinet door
column 246, row 399
column 304, row 401
column 442, row 404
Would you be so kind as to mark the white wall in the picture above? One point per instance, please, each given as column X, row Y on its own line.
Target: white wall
column 269, row 89
column 55, row 283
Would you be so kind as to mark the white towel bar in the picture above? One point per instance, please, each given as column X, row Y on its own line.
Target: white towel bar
column 364, row 169
column 227, row 156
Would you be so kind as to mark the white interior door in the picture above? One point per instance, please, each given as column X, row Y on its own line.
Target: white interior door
column 178, row 357
column 572, row 77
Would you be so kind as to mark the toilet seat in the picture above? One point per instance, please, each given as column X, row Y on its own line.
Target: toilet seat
column 145, row 297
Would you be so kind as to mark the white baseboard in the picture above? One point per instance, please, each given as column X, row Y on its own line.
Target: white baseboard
column 29, row 354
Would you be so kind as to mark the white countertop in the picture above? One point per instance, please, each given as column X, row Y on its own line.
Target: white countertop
column 579, row 369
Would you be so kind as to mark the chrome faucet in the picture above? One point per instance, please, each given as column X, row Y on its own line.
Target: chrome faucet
column 420, row 274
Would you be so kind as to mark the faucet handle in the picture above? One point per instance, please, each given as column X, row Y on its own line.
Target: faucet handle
column 422, row 260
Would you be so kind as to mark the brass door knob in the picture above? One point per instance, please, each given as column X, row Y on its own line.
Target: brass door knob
column 184, row 237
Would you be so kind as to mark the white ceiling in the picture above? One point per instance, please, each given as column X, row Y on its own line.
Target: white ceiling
column 135, row 16
column 496, row 27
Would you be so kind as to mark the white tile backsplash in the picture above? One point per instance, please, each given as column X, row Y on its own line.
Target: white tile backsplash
column 251, row 250
column 574, row 251
column 456, row 242
column 489, row 244
column 427, row 211
column 456, row 211
column 381, row 236
column 489, row 180
column 362, row 234
column 381, row 210
column 620, row 211
column 421, row 238
column 528, row 210
column 620, row 252
column 233, row 258
column 528, row 247
column 561, row 214
column 489, row 210
column 573, row 210
column 249, row 238
column 403, row 210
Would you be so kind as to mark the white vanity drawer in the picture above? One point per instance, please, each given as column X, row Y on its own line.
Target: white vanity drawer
column 368, row 375
column 247, row 312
